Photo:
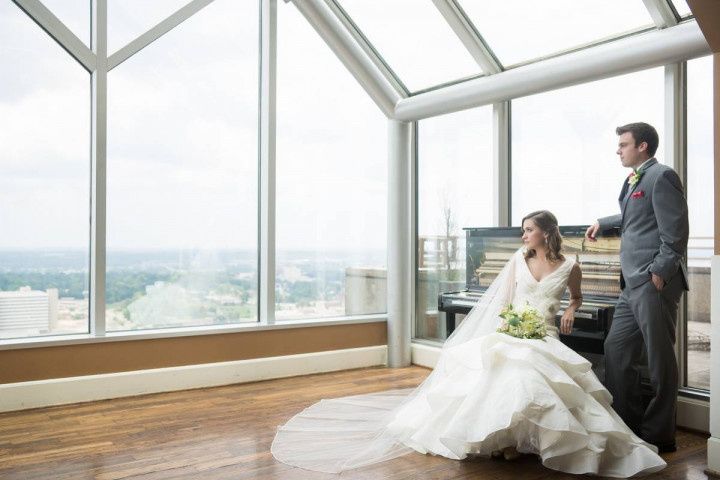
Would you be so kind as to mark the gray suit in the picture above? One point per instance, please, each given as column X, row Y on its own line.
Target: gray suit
column 654, row 229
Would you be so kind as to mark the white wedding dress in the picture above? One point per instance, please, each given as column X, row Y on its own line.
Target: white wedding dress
column 488, row 391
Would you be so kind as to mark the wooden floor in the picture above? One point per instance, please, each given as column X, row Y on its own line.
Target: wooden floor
column 225, row 433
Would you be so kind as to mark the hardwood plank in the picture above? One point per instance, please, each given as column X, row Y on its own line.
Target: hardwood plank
column 225, row 433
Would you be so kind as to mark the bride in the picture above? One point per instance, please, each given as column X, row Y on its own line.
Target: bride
column 490, row 394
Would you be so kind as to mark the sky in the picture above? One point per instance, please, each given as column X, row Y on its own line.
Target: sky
column 182, row 123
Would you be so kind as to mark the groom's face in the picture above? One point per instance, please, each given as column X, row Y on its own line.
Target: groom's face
column 631, row 155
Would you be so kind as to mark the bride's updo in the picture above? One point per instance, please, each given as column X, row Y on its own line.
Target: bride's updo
column 546, row 222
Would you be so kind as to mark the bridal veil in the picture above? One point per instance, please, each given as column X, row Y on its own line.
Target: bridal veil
column 350, row 432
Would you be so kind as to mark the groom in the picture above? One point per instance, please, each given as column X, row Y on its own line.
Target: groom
column 654, row 230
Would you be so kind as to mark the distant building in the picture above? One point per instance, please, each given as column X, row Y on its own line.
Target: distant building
column 27, row 312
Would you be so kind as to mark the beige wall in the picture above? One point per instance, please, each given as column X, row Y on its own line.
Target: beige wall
column 716, row 117
column 88, row 359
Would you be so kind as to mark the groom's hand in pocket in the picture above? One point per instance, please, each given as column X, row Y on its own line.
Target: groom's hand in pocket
column 592, row 231
column 658, row 281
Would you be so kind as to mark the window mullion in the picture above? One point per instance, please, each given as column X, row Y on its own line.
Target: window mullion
column 98, row 156
column 675, row 154
column 501, row 168
column 267, row 135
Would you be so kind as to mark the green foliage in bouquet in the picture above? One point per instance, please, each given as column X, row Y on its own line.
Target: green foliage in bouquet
column 525, row 323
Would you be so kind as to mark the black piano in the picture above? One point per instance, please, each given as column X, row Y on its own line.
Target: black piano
column 487, row 250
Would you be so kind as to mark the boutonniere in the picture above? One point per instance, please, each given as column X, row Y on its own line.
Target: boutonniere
column 634, row 178
column 638, row 194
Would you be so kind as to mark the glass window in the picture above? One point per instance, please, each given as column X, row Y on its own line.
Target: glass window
column 331, row 182
column 414, row 39
column 700, row 193
column 455, row 191
column 75, row 14
column 44, row 183
column 681, row 6
column 564, row 144
column 522, row 30
column 128, row 19
column 182, row 204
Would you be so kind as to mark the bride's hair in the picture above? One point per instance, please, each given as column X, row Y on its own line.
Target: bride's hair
column 546, row 222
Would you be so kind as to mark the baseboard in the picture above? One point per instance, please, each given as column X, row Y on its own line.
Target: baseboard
column 713, row 457
column 424, row 355
column 694, row 414
column 61, row 391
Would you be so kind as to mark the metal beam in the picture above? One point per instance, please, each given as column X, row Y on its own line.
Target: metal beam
column 156, row 32
column 369, row 49
column 676, row 156
column 351, row 54
column 266, row 191
column 98, row 194
column 469, row 36
column 502, row 178
column 676, row 118
column 662, row 13
column 46, row 20
column 630, row 54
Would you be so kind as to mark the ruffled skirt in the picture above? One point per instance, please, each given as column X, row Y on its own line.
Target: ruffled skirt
column 489, row 393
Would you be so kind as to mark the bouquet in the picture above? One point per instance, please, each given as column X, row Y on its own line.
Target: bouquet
column 525, row 323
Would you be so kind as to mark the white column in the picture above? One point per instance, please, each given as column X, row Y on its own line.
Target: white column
column 401, row 241
column 713, row 446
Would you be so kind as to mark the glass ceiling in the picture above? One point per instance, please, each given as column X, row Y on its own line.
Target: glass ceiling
column 682, row 8
column 522, row 30
column 414, row 39
column 422, row 50
column 75, row 14
column 127, row 19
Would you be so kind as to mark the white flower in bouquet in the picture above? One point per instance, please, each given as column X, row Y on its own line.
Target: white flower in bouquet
column 524, row 323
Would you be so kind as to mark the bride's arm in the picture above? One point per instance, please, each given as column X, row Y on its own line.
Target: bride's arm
column 574, row 282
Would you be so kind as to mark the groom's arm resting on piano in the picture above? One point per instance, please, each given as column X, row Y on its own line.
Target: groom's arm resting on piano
column 603, row 224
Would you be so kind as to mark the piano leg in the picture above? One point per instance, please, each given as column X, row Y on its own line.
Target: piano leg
column 449, row 323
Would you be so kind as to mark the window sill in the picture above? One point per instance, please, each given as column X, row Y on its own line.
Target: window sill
column 79, row 339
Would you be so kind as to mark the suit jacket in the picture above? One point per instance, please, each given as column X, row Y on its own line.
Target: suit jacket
column 653, row 226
